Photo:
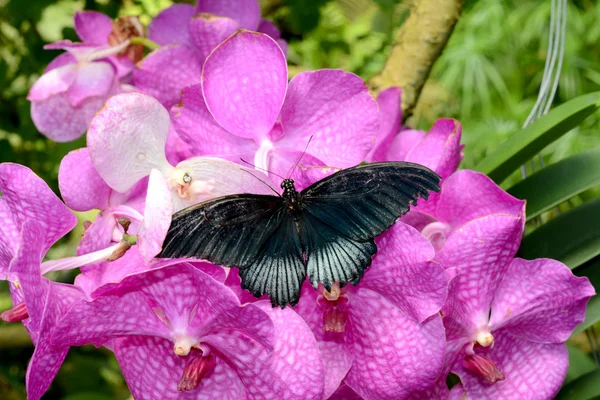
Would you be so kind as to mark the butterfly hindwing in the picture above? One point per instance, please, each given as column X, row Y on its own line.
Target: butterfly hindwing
column 363, row 201
column 332, row 256
column 228, row 231
column 278, row 270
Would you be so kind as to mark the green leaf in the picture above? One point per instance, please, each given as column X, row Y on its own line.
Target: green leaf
column 580, row 363
column 591, row 270
column 572, row 238
column 559, row 182
column 528, row 142
column 585, row 387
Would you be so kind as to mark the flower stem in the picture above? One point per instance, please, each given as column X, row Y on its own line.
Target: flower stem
column 145, row 42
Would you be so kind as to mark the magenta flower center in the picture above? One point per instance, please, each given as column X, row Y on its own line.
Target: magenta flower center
column 196, row 369
column 16, row 314
column 483, row 367
column 335, row 306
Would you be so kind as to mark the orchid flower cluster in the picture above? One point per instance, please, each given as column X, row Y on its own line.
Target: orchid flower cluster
column 444, row 294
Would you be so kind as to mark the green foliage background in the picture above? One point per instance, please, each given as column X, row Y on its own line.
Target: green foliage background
column 487, row 77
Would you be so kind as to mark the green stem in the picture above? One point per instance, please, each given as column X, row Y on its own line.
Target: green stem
column 145, row 42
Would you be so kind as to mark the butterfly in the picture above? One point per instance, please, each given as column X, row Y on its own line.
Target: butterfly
column 326, row 231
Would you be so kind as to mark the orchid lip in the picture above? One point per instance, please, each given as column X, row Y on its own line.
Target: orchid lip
column 261, row 158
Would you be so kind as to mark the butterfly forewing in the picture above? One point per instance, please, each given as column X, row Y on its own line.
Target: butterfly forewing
column 363, row 201
column 228, row 231
column 278, row 270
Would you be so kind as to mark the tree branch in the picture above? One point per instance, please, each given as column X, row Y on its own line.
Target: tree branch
column 418, row 44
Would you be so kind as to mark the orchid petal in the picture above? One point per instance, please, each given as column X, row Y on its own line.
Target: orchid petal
column 481, row 251
column 217, row 177
column 29, row 197
column 246, row 12
column 394, row 355
column 196, row 126
column 81, row 187
column 9, row 237
column 244, row 81
column 335, row 109
column 336, row 359
column 130, row 307
column 403, row 143
column 55, row 81
column 60, row 60
column 168, row 27
column 540, row 300
column 157, row 216
column 93, row 27
column 166, row 71
column 531, row 370
column 207, row 31
column 60, row 121
column 403, row 274
column 93, row 79
column 127, row 139
column 269, row 28
column 440, row 149
column 391, row 117
column 292, row 371
column 159, row 382
column 468, row 195
column 306, row 170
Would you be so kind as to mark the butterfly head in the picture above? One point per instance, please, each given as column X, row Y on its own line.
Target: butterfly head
column 288, row 184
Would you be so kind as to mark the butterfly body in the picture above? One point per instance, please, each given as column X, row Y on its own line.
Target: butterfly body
column 326, row 231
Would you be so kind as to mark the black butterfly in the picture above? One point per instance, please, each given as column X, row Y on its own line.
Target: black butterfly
column 326, row 230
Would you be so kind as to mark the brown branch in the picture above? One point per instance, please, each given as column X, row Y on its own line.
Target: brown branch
column 418, row 44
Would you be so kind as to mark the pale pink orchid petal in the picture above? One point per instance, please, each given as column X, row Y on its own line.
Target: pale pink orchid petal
column 207, row 31
column 244, row 81
column 157, row 216
column 334, row 110
column 60, row 60
column 81, row 187
column 127, row 139
column 540, row 301
column 246, row 12
column 169, row 26
column 56, row 81
column 92, row 27
column 92, row 79
column 390, row 111
column 60, row 121
column 215, row 177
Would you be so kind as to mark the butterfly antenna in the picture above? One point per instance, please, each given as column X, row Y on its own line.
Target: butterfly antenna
column 261, row 169
column 269, row 186
column 300, row 158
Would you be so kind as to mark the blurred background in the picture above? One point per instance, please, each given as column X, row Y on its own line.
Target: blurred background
column 487, row 77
